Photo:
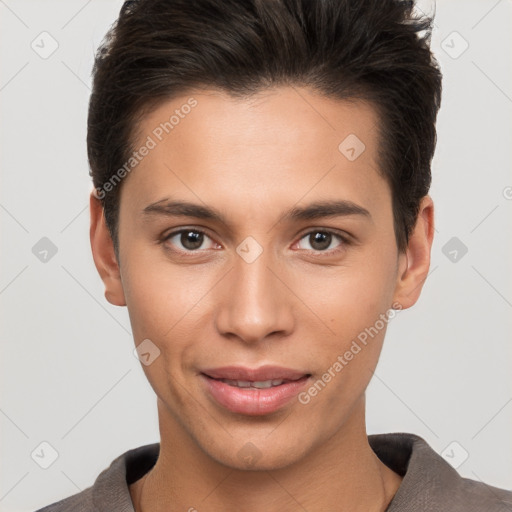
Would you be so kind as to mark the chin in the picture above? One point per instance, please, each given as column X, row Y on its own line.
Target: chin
column 254, row 456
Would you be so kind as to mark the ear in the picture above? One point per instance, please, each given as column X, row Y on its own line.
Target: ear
column 104, row 255
column 413, row 265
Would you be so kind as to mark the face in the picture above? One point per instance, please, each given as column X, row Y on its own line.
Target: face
column 258, row 296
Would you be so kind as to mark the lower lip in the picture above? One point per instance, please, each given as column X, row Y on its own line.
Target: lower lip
column 254, row 402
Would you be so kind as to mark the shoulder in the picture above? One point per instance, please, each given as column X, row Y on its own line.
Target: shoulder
column 429, row 482
column 472, row 495
column 81, row 502
column 110, row 490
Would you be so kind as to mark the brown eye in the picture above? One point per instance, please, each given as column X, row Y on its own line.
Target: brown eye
column 189, row 239
column 320, row 240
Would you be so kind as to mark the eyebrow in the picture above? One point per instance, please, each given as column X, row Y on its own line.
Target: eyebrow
column 313, row 211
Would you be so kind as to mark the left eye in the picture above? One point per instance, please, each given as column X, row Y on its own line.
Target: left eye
column 320, row 240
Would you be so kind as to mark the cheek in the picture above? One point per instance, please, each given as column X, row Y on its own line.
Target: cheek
column 161, row 303
column 348, row 299
column 169, row 305
column 352, row 303
column 345, row 361
column 157, row 294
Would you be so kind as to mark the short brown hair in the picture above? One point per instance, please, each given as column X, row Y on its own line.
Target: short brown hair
column 343, row 49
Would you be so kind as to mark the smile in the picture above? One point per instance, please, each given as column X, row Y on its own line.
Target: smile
column 253, row 392
column 262, row 384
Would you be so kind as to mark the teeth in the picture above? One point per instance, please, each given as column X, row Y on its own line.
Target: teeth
column 262, row 384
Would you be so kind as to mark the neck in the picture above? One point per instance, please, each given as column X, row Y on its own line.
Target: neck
column 342, row 474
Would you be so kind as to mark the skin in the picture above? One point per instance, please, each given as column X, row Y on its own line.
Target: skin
column 298, row 305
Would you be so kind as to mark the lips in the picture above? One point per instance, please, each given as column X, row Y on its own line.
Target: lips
column 253, row 391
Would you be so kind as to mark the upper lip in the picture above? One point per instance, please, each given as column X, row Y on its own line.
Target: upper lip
column 263, row 373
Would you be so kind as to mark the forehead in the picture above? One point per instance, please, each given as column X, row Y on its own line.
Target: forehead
column 283, row 144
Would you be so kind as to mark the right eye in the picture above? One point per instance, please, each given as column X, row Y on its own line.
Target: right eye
column 191, row 240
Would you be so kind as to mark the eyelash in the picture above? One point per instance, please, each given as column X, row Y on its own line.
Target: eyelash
column 343, row 239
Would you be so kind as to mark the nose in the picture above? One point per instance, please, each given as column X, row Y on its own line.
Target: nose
column 255, row 301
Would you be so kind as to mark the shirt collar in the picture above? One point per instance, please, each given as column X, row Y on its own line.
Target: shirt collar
column 429, row 482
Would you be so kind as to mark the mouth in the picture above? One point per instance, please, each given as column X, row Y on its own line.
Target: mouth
column 258, row 384
column 253, row 391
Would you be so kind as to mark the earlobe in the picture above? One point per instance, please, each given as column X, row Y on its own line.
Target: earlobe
column 104, row 255
column 415, row 263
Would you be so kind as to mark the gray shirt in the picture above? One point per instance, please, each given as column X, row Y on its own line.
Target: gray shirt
column 430, row 484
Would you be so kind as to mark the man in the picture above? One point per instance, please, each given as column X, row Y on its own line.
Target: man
column 261, row 174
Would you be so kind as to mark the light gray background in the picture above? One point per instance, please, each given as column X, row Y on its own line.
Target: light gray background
column 68, row 374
